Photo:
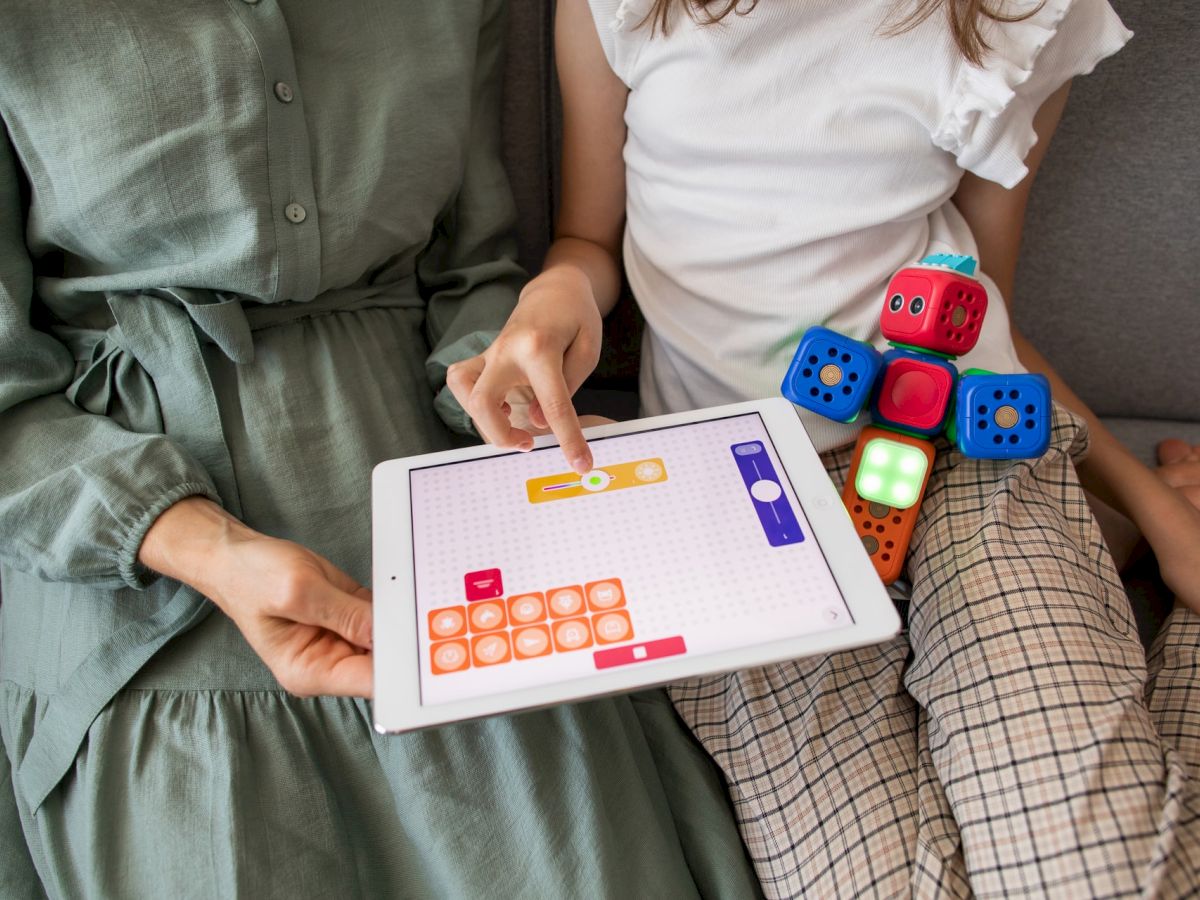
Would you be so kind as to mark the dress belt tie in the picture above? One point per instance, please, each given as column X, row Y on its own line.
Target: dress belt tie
column 160, row 330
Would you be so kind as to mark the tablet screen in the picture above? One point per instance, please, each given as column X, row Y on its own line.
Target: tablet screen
column 683, row 540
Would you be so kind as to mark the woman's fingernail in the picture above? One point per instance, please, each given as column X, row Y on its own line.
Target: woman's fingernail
column 581, row 464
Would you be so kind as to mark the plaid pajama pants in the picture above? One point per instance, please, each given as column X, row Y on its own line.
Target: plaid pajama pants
column 1014, row 741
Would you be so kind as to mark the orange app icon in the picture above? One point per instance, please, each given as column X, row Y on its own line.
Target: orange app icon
column 567, row 601
column 613, row 627
column 449, row 656
column 532, row 641
column 573, row 634
column 526, row 608
column 491, row 649
column 487, row 616
column 603, row 595
column 447, row 623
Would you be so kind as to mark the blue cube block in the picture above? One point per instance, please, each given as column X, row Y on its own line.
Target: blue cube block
column 1003, row 416
column 831, row 374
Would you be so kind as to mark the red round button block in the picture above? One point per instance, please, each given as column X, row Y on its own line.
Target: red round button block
column 914, row 392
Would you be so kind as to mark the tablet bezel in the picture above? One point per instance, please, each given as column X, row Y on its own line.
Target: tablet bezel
column 397, row 705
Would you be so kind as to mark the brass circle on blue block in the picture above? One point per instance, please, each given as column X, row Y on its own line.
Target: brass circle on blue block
column 1006, row 417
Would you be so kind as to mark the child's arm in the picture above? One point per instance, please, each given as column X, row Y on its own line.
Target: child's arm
column 552, row 341
column 1170, row 523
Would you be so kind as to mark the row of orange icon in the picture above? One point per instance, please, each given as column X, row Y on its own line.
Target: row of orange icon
column 529, row 625
column 525, row 609
column 530, row 641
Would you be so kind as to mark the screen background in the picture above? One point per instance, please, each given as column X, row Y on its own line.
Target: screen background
column 690, row 551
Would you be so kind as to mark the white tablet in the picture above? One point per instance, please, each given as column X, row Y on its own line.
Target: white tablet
column 701, row 542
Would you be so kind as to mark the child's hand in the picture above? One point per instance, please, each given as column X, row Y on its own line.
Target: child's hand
column 1179, row 466
column 523, row 383
column 1174, row 533
column 1172, row 529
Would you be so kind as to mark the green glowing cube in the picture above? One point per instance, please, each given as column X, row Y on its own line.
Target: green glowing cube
column 891, row 473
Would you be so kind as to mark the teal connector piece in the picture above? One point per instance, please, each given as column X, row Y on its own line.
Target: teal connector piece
column 957, row 262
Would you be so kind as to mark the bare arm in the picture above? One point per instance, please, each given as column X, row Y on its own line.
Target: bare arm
column 997, row 218
column 1110, row 472
column 591, row 218
column 552, row 341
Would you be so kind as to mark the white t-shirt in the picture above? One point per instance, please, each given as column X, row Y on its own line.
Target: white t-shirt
column 782, row 164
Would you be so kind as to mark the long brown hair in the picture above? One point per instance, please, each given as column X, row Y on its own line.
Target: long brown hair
column 965, row 18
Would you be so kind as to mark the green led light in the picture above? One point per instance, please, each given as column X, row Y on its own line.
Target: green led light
column 891, row 473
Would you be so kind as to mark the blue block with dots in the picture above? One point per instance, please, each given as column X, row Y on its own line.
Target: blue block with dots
column 1003, row 416
column 832, row 374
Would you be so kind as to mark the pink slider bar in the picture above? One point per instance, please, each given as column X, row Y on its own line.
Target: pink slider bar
column 635, row 653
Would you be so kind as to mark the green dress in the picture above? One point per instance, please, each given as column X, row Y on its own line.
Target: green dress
column 240, row 240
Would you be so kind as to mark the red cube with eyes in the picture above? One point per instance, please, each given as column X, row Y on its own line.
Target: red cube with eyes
column 934, row 308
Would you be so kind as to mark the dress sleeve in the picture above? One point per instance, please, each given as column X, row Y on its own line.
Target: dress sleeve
column 988, row 123
column 77, row 491
column 468, row 274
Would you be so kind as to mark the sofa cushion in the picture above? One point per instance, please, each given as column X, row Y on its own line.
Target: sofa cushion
column 1107, row 287
column 1142, row 436
column 531, row 125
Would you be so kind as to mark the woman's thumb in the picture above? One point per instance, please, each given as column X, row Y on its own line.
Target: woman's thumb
column 349, row 615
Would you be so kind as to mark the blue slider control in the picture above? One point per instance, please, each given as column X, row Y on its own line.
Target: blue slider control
column 774, row 512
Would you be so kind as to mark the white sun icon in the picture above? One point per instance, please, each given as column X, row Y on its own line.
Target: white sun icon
column 648, row 471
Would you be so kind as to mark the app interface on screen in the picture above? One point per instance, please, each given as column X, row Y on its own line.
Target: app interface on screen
column 686, row 540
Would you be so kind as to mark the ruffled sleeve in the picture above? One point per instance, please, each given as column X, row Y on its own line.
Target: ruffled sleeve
column 988, row 124
column 617, row 23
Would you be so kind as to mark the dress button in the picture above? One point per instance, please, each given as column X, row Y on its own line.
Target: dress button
column 295, row 213
column 283, row 91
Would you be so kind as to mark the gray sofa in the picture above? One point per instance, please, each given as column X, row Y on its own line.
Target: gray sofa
column 1105, row 287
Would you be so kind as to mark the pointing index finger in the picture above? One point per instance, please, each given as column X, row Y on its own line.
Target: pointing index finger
column 550, row 387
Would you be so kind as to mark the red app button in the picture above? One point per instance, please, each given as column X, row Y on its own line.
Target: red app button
column 486, row 584
column 635, row 653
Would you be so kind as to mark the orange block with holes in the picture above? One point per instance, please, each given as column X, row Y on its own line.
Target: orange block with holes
column 885, row 531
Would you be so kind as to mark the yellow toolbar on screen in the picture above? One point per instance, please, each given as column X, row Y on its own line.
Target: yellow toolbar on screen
column 603, row 480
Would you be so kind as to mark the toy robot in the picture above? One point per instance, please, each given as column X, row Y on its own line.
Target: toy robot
column 933, row 313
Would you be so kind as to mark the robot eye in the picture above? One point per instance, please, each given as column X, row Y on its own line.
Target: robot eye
column 917, row 306
column 896, row 303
